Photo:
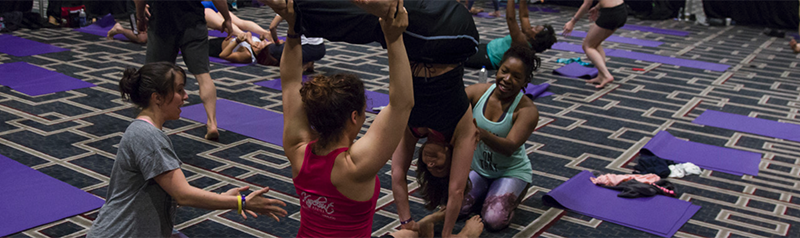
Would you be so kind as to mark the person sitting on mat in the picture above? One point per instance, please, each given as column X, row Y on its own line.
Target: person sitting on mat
column 323, row 117
column 147, row 183
column 440, row 36
column 501, row 170
column 214, row 21
column 612, row 15
column 126, row 10
column 539, row 38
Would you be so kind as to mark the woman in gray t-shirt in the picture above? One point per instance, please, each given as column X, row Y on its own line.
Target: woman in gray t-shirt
column 147, row 183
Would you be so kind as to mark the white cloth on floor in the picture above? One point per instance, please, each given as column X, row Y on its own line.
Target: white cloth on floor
column 684, row 169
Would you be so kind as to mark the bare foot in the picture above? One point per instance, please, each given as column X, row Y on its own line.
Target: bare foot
column 378, row 8
column 114, row 31
column 473, row 228
column 308, row 67
column 475, row 11
column 795, row 47
column 212, row 134
column 495, row 14
column 600, row 81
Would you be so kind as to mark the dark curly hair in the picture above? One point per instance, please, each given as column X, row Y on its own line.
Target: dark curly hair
column 544, row 39
column 528, row 58
column 434, row 190
column 329, row 101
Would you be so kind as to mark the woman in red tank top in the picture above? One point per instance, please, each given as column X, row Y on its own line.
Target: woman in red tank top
column 335, row 178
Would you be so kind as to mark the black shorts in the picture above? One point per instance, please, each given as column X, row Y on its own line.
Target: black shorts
column 612, row 18
column 310, row 52
column 439, row 102
column 192, row 42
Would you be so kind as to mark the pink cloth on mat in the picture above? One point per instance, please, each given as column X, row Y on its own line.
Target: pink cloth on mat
column 614, row 179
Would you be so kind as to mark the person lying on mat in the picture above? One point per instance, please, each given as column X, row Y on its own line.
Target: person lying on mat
column 608, row 16
column 313, row 48
column 539, row 38
column 314, row 104
column 214, row 21
column 147, row 183
column 243, row 48
column 436, row 50
column 501, row 170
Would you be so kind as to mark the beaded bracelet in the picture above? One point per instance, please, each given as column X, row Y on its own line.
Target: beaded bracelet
column 410, row 219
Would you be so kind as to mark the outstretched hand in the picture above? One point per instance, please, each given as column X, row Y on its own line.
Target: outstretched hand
column 236, row 192
column 568, row 28
column 263, row 205
column 395, row 22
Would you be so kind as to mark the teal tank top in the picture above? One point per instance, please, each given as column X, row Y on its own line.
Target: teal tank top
column 494, row 165
column 496, row 48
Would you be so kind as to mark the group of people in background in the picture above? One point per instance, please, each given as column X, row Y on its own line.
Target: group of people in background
column 472, row 164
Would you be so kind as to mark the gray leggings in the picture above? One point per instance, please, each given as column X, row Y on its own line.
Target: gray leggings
column 499, row 197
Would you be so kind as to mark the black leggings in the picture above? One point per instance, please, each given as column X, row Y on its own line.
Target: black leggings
column 480, row 59
column 438, row 31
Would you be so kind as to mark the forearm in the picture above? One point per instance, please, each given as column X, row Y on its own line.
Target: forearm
column 195, row 197
column 581, row 11
column 273, row 27
column 292, row 59
column 140, row 5
column 451, row 213
column 498, row 144
column 401, row 90
column 510, row 12
column 227, row 49
column 222, row 7
column 400, row 194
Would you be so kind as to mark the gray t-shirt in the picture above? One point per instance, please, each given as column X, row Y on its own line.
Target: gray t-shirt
column 136, row 206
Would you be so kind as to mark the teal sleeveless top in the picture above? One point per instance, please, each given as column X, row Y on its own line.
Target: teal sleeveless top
column 496, row 48
column 494, row 165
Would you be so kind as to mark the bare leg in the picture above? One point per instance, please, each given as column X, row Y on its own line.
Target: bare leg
column 214, row 21
column 591, row 45
column 248, row 26
column 208, row 94
column 141, row 38
column 473, row 228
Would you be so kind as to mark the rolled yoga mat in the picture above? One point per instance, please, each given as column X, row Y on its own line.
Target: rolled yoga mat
column 20, row 47
column 29, row 198
column 34, row 80
column 576, row 70
column 374, row 99
column 620, row 39
column 758, row 126
column 732, row 161
column 649, row 57
column 243, row 119
column 655, row 30
column 659, row 215
column 537, row 91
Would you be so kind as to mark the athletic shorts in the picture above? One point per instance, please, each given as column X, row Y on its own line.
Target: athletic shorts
column 613, row 17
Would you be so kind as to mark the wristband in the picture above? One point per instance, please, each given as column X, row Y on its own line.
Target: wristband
column 293, row 36
column 244, row 203
column 239, row 204
column 410, row 219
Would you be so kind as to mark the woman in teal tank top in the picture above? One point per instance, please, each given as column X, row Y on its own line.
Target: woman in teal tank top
column 501, row 170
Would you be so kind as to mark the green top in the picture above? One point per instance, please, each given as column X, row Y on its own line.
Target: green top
column 496, row 48
column 485, row 161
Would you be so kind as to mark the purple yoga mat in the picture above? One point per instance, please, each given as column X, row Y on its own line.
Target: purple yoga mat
column 34, row 80
column 374, row 99
column 659, row 215
column 19, row 47
column 655, row 30
column 620, row 39
column 758, row 126
column 101, row 28
column 732, row 161
column 537, row 91
column 649, row 57
column 243, row 119
column 486, row 15
column 576, row 70
column 31, row 198
column 225, row 62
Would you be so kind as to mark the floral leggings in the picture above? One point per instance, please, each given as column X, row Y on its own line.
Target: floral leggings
column 499, row 197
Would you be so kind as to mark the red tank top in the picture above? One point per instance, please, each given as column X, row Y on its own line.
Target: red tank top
column 324, row 211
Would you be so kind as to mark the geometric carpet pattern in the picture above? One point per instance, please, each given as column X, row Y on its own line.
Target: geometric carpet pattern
column 73, row 135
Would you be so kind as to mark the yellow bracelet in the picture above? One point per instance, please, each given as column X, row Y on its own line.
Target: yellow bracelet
column 239, row 209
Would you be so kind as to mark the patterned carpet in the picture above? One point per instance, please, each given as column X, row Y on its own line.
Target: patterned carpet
column 72, row 135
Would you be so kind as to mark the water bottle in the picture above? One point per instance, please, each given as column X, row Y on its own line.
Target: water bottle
column 82, row 18
column 2, row 24
column 482, row 75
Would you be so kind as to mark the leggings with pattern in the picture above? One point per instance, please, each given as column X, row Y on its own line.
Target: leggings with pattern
column 499, row 198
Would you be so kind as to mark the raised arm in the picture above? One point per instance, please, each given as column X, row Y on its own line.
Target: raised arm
column 464, row 141
column 524, row 19
column 371, row 152
column 524, row 124
column 296, row 129
column 571, row 23
column 517, row 37
column 273, row 28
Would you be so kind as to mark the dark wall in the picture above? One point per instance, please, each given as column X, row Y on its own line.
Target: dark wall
column 766, row 13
